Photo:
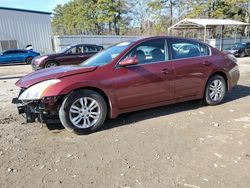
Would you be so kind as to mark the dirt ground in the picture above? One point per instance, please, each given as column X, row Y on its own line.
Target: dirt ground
column 181, row 145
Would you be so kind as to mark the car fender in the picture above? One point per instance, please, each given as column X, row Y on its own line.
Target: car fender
column 64, row 88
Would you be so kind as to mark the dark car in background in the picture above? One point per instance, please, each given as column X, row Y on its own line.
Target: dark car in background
column 239, row 49
column 126, row 77
column 17, row 56
column 72, row 55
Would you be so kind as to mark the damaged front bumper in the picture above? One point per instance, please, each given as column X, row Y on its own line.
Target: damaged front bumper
column 38, row 110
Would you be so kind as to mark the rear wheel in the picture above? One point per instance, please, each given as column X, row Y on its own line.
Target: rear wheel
column 50, row 64
column 215, row 90
column 83, row 111
column 28, row 60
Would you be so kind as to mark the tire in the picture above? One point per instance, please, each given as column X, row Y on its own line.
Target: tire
column 83, row 111
column 28, row 60
column 215, row 90
column 50, row 64
column 242, row 54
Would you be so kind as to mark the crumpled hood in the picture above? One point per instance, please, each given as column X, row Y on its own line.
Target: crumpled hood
column 52, row 73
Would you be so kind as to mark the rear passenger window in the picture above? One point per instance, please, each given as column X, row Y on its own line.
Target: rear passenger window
column 187, row 49
column 90, row 49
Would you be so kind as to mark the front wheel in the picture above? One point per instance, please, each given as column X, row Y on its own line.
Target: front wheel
column 83, row 111
column 50, row 64
column 215, row 90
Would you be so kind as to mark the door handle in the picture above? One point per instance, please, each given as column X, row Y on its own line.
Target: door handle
column 207, row 63
column 165, row 71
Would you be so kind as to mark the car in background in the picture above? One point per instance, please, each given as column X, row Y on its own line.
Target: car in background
column 239, row 49
column 17, row 56
column 72, row 55
column 126, row 77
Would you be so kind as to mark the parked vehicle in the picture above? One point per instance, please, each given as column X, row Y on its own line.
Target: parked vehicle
column 123, row 78
column 239, row 49
column 72, row 55
column 17, row 56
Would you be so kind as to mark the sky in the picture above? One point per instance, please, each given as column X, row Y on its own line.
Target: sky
column 40, row 5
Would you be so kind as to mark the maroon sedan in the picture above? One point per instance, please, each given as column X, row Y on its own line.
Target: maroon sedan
column 127, row 77
column 72, row 55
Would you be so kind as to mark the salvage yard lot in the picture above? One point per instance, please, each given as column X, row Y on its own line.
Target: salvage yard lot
column 181, row 145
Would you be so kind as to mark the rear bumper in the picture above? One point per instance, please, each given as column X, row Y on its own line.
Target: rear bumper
column 234, row 74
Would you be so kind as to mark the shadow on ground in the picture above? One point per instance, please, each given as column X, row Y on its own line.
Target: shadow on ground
column 238, row 92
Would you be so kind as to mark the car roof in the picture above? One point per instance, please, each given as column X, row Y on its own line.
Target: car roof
column 145, row 38
column 84, row 44
column 12, row 50
column 16, row 50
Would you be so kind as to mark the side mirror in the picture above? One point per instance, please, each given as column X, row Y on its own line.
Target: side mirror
column 128, row 61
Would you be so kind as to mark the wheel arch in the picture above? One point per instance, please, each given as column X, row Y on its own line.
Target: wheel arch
column 221, row 73
column 103, row 94
column 28, row 58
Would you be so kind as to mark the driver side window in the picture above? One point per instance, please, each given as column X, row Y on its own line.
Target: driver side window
column 76, row 50
column 149, row 52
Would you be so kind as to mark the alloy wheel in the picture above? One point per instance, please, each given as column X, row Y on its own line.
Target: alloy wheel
column 216, row 90
column 84, row 112
column 50, row 64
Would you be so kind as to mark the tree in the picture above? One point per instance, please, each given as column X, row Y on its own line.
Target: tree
column 88, row 17
column 140, row 17
column 57, row 21
column 223, row 9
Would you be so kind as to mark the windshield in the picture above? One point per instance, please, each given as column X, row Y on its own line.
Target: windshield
column 64, row 49
column 107, row 55
column 237, row 46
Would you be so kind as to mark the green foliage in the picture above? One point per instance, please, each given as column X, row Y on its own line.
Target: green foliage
column 224, row 9
column 146, row 17
column 88, row 17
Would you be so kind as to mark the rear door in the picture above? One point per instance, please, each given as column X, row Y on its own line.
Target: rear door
column 148, row 82
column 191, row 67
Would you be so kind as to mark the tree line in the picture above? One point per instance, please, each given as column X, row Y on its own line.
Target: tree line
column 140, row 17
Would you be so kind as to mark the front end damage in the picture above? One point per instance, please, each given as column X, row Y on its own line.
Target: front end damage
column 42, row 110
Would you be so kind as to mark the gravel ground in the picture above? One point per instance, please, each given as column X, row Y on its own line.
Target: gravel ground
column 181, row 145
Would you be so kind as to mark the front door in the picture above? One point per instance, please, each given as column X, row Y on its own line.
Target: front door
column 150, row 81
column 72, row 56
